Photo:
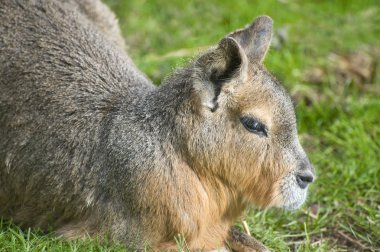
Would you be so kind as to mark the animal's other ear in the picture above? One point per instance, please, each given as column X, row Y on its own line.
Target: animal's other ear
column 255, row 38
column 225, row 63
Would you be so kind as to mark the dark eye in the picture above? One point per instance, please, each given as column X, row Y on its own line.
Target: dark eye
column 254, row 126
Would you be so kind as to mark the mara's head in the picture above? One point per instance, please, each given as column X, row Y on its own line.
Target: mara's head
column 243, row 126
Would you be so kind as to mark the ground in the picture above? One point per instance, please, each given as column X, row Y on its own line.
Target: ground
column 327, row 54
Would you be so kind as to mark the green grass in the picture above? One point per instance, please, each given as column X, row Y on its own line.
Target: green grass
column 338, row 117
column 12, row 238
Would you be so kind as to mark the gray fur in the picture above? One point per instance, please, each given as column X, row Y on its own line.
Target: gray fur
column 64, row 90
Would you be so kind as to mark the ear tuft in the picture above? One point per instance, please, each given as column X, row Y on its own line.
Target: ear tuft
column 225, row 62
column 255, row 39
column 232, row 54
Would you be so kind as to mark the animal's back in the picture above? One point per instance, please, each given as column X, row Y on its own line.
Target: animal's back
column 61, row 81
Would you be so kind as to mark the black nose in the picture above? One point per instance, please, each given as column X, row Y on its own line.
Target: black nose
column 304, row 178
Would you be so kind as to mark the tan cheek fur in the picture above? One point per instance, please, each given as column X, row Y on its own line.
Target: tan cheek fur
column 240, row 179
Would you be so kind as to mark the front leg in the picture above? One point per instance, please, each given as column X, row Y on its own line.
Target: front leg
column 241, row 242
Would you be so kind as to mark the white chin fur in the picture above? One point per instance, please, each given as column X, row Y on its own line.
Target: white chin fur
column 293, row 195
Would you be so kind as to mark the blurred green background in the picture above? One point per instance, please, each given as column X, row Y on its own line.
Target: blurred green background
column 326, row 53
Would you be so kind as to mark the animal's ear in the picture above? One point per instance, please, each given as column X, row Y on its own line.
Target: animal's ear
column 255, row 38
column 226, row 63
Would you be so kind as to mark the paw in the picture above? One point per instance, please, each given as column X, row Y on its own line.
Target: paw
column 241, row 242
